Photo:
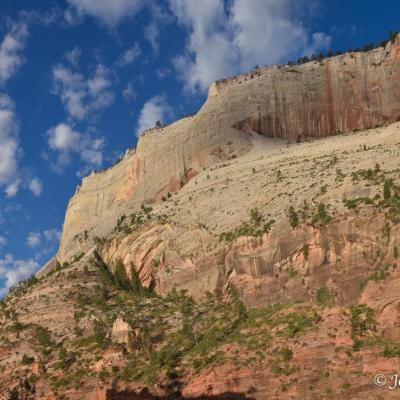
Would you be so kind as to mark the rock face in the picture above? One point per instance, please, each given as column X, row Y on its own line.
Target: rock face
column 120, row 331
column 353, row 91
column 289, row 252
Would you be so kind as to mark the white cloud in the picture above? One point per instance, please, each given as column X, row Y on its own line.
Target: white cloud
column 63, row 139
column 162, row 72
column 3, row 241
column 108, row 12
column 8, row 141
column 155, row 109
column 130, row 55
column 159, row 17
column 11, row 59
column 151, row 33
column 100, row 95
column 12, row 271
column 319, row 41
column 10, row 51
column 129, row 92
column 34, row 239
column 40, row 17
column 73, row 56
column 12, row 189
column 52, row 235
column 35, row 186
column 83, row 97
column 71, row 87
column 225, row 42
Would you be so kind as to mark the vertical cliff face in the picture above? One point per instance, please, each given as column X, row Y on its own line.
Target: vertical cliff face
column 340, row 94
column 336, row 95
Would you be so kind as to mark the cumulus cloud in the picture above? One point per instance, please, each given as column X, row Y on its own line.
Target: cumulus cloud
column 155, row 109
column 83, row 97
column 130, row 55
column 319, row 40
column 12, row 189
column 65, row 140
column 107, row 12
column 34, row 239
column 224, row 41
column 35, row 186
column 3, row 241
column 11, row 51
column 73, row 56
column 11, row 59
column 8, row 145
column 12, row 271
column 43, row 243
column 52, row 235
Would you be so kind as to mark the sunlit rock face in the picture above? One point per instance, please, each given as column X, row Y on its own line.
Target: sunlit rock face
column 289, row 248
column 341, row 94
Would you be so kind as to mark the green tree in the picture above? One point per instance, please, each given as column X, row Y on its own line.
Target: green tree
column 293, row 217
column 135, row 284
column 321, row 215
column 13, row 395
column 386, row 189
column 120, row 276
column 362, row 319
column 26, row 360
column 99, row 332
column 43, row 337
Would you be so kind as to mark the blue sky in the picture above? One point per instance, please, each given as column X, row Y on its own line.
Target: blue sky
column 79, row 79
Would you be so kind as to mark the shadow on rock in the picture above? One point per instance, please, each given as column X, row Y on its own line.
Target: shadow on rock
column 113, row 394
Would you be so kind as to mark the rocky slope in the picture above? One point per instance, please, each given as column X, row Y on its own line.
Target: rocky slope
column 287, row 252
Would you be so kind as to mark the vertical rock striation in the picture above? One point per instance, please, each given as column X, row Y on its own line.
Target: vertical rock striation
column 350, row 92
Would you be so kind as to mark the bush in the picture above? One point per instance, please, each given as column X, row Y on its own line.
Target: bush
column 286, row 353
column 26, row 360
column 324, row 297
column 321, row 215
column 390, row 349
column 17, row 327
column 99, row 332
column 352, row 204
column 255, row 227
column 77, row 257
column 387, row 189
column 65, row 359
column 362, row 320
column 43, row 337
column 293, row 217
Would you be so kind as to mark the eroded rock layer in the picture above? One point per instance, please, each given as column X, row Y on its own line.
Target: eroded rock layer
column 350, row 92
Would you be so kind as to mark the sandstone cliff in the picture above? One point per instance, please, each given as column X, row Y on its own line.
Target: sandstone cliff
column 336, row 95
column 288, row 251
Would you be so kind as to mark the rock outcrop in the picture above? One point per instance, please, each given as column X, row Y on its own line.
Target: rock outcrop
column 218, row 261
column 353, row 91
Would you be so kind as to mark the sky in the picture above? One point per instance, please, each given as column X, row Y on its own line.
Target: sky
column 80, row 79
